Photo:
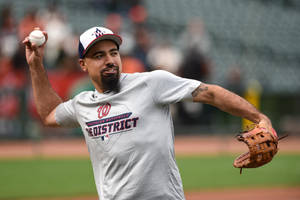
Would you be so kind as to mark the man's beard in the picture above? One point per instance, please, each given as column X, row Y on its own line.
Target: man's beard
column 110, row 82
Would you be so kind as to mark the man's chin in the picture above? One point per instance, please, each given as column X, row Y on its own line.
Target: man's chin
column 110, row 83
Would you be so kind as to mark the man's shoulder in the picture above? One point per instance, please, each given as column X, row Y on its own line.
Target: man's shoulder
column 145, row 75
column 84, row 96
column 133, row 75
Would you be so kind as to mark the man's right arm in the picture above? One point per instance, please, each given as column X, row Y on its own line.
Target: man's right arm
column 46, row 99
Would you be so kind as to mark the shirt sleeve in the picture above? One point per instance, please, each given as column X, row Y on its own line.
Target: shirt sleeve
column 168, row 88
column 65, row 114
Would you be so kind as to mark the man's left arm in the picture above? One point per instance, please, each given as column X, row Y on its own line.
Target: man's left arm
column 229, row 102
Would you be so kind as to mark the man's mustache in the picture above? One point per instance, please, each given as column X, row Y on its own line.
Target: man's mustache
column 109, row 66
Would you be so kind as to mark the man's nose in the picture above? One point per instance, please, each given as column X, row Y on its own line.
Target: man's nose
column 109, row 60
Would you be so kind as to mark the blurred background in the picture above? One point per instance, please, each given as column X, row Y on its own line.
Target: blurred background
column 249, row 47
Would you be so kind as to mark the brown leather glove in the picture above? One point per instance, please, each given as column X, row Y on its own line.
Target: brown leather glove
column 262, row 144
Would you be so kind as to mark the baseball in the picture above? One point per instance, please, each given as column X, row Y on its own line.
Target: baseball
column 37, row 37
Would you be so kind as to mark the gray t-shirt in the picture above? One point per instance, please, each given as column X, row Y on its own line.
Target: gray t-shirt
column 130, row 135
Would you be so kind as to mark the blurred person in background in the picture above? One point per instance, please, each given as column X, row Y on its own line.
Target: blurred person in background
column 195, row 36
column 196, row 65
column 10, row 47
column 29, row 22
column 131, row 64
column 61, row 41
column 138, row 14
column 235, row 80
column 12, row 77
column 235, row 83
column 8, row 32
column 126, row 120
column 24, row 27
column 164, row 56
column 114, row 22
column 142, row 46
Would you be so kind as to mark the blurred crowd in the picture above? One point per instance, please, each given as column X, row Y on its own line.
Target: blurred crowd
column 141, row 51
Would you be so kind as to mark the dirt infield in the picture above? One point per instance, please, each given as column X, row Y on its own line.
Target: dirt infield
column 192, row 145
column 229, row 194
column 184, row 145
column 247, row 194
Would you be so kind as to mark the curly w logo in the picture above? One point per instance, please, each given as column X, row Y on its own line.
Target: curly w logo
column 98, row 32
column 103, row 110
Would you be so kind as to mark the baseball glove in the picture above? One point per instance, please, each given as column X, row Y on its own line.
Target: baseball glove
column 262, row 144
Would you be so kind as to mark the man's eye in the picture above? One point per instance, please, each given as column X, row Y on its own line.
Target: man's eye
column 98, row 56
column 115, row 53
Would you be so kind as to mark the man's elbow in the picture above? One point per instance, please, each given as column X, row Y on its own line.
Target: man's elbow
column 49, row 120
column 48, row 123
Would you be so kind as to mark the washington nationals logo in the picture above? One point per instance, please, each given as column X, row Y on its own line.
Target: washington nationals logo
column 103, row 110
column 98, row 32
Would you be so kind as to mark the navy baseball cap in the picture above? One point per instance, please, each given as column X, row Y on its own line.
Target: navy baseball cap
column 94, row 35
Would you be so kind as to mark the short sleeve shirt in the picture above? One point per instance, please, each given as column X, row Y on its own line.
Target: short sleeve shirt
column 130, row 135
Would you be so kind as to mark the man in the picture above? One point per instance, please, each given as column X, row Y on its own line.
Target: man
column 126, row 121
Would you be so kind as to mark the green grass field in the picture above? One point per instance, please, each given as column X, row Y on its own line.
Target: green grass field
column 73, row 177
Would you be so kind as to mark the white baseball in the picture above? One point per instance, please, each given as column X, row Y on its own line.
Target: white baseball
column 37, row 37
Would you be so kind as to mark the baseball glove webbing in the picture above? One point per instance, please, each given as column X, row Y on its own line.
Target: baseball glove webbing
column 262, row 145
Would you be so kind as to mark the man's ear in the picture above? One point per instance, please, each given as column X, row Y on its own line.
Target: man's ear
column 82, row 64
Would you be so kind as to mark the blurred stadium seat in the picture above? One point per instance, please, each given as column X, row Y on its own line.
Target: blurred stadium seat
column 263, row 38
